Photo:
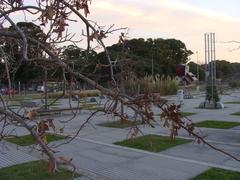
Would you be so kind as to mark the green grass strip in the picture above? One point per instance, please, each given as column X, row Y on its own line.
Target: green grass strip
column 152, row 143
column 35, row 170
column 217, row 124
column 27, row 140
column 232, row 102
column 218, row 174
column 185, row 114
column 236, row 114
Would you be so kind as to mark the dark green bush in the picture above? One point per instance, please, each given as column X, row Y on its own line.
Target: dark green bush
column 234, row 83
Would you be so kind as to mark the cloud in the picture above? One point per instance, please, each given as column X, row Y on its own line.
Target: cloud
column 171, row 19
column 118, row 8
column 164, row 19
column 186, row 7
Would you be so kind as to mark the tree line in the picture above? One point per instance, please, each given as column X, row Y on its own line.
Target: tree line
column 225, row 70
column 138, row 56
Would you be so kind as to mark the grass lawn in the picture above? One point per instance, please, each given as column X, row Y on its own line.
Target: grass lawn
column 232, row 102
column 218, row 174
column 91, row 107
column 19, row 98
column 217, row 124
column 152, row 143
column 118, row 124
column 236, row 114
column 28, row 139
column 185, row 114
column 36, row 170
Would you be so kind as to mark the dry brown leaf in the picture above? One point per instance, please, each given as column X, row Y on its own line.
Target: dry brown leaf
column 51, row 166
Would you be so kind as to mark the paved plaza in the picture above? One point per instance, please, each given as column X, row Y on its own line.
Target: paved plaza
column 97, row 158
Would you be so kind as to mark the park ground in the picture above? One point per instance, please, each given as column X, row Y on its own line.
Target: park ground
column 96, row 157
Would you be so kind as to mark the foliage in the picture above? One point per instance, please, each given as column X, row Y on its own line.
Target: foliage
column 165, row 53
column 193, row 69
column 153, row 143
column 36, row 170
column 217, row 124
column 121, row 124
column 224, row 68
column 157, row 84
column 81, row 94
column 22, row 70
column 185, row 114
column 27, row 140
column 91, row 107
column 31, row 30
column 236, row 114
column 212, row 93
column 219, row 174
column 28, row 72
column 233, row 102
column 89, row 93
column 234, row 83
column 80, row 60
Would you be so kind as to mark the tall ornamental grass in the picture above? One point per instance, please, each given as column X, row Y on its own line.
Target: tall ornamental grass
column 156, row 84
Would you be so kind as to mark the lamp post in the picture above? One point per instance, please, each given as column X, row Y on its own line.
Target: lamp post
column 152, row 59
column 152, row 66
column 197, row 66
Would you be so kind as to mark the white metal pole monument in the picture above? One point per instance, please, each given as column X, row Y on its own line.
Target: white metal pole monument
column 212, row 98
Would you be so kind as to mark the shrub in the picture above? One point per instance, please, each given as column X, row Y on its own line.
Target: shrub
column 234, row 84
column 212, row 94
column 212, row 91
column 81, row 94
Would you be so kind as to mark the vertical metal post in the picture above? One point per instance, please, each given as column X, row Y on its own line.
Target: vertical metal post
column 205, row 43
column 197, row 66
column 45, row 89
column 211, row 61
column 208, row 55
column 152, row 59
column 214, row 58
column 152, row 66
column 19, row 87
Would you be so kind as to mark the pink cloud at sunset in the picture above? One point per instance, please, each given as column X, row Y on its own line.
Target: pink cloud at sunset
column 180, row 19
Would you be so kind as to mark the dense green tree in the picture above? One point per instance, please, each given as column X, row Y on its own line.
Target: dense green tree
column 88, row 63
column 83, row 61
column 21, row 70
column 12, row 46
column 224, row 68
column 235, row 67
column 193, row 69
column 164, row 53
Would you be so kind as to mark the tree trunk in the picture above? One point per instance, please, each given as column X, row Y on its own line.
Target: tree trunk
column 64, row 82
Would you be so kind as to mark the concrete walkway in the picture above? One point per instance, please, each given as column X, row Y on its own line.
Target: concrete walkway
column 93, row 149
column 108, row 161
column 97, row 158
column 10, row 156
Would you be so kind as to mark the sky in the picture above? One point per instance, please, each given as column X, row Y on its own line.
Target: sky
column 186, row 20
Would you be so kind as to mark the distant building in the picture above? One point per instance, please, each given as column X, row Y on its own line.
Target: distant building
column 183, row 76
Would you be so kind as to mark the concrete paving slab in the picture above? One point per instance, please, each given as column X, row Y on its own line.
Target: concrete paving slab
column 11, row 156
column 119, row 163
column 201, row 152
column 92, row 150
